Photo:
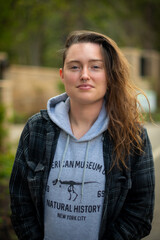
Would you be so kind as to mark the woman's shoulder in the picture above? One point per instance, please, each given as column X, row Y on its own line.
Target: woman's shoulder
column 39, row 121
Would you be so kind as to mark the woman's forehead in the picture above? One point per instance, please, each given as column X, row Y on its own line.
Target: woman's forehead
column 92, row 50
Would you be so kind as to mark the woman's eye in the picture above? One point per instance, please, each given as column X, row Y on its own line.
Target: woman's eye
column 74, row 67
column 95, row 67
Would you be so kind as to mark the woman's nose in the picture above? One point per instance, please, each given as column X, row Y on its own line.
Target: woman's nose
column 85, row 74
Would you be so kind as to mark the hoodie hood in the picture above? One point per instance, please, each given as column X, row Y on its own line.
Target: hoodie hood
column 58, row 109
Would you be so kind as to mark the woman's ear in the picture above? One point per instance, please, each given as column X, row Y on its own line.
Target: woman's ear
column 61, row 74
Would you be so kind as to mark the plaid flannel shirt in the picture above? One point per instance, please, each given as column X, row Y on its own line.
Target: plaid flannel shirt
column 129, row 193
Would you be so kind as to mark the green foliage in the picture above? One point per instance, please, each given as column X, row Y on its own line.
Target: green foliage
column 32, row 31
column 18, row 118
column 61, row 87
column 155, row 116
column 2, row 130
column 2, row 114
column 6, row 163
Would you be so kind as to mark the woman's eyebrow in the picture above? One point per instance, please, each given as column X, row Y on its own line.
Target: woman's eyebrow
column 91, row 60
column 72, row 61
column 96, row 60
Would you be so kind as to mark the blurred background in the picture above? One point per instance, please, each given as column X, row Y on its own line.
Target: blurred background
column 31, row 34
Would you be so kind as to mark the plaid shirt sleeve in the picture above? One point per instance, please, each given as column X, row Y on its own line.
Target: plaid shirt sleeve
column 23, row 215
column 135, row 218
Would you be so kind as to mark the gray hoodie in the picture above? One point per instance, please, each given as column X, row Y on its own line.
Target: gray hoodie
column 76, row 183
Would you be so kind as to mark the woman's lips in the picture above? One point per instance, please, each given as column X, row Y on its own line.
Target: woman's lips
column 85, row 86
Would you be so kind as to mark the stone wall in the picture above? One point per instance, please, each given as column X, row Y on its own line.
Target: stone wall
column 26, row 89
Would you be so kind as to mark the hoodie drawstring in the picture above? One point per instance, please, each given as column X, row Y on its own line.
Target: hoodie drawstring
column 64, row 154
column 85, row 163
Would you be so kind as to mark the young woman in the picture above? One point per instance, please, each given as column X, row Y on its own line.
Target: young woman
column 84, row 168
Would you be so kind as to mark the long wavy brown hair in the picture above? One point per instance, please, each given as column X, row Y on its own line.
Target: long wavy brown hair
column 125, row 117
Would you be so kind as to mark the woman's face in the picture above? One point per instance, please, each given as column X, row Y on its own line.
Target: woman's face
column 84, row 75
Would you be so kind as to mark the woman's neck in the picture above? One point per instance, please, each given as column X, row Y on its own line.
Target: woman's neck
column 82, row 117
